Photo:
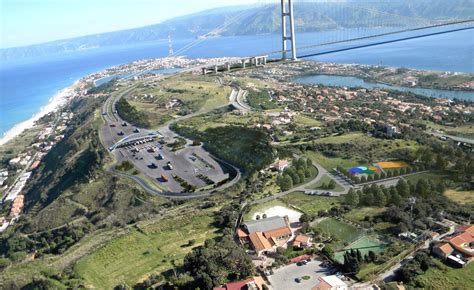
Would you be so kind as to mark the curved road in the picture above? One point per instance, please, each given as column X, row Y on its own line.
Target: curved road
column 109, row 115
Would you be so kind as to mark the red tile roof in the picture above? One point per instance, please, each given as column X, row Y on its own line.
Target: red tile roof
column 235, row 285
column 259, row 242
column 299, row 259
column 446, row 249
column 277, row 233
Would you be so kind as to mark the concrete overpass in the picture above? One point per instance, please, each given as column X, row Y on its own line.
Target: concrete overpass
column 254, row 61
column 134, row 138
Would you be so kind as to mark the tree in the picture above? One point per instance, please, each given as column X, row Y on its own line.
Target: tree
column 368, row 199
column 352, row 198
column 306, row 218
column 328, row 250
column 403, row 188
column 285, row 182
column 352, row 260
column 295, row 178
column 422, row 187
column 379, row 197
column 395, row 198
column 216, row 262
column 331, row 184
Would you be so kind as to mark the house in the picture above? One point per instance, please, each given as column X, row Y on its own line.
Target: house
column 302, row 241
column 17, row 206
column 442, row 250
column 266, row 235
column 254, row 283
column 458, row 249
column 35, row 165
column 280, row 165
column 330, row 283
column 463, row 242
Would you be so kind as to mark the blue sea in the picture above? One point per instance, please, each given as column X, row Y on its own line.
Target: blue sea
column 28, row 84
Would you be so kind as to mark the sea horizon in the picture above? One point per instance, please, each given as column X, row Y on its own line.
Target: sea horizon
column 41, row 79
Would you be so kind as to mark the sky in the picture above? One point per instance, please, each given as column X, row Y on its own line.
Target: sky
column 25, row 22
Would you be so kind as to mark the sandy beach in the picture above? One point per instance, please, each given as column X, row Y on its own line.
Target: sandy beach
column 58, row 100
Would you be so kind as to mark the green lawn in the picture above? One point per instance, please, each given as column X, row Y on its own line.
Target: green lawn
column 324, row 181
column 342, row 232
column 310, row 204
column 153, row 249
column 445, row 277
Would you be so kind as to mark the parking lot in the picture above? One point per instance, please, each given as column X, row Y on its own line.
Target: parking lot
column 191, row 165
column 284, row 277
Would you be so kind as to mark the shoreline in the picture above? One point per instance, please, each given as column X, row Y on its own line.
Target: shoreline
column 54, row 103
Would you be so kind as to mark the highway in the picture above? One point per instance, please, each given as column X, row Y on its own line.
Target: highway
column 152, row 159
column 454, row 138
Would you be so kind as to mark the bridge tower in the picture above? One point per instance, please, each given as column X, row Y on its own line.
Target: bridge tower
column 287, row 14
column 170, row 45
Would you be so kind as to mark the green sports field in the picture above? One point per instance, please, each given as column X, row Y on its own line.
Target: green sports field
column 364, row 245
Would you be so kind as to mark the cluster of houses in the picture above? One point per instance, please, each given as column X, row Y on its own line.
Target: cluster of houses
column 264, row 236
column 25, row 163
column 456, row 249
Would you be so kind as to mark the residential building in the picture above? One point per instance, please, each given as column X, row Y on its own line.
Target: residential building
column 266, row 235
column 280, row 165
column 302, row 241
column 254, row 283
column 330, row 283
column 442, row 250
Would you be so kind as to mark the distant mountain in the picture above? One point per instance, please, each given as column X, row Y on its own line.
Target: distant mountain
column 248, row 20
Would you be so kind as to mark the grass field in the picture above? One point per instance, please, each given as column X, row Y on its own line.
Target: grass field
column 330, row 163
column 359, row 214
column 444, row 277
column 197, row 93
column 364, row 245
column 324, row 181
column 465, row 130
column 153, row 249
column 426, row 175
column 461, row 197
column 345, row 138
column 310, row 204
column 364, row 149
column 213, row 120
column 306, row 121
column 342, row 232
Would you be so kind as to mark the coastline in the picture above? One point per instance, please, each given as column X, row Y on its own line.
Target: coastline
column 54, row 103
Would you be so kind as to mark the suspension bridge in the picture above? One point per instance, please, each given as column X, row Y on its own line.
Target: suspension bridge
column 351, row 31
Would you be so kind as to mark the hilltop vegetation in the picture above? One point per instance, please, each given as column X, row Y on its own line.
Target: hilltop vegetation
column 130, row 114
column 309, row 17
column 247, row 148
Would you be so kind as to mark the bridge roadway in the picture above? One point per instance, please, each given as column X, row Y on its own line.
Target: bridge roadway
column 187, row 162
column 462, row 140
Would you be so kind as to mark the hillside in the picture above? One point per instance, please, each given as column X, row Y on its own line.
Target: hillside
column 310, row 17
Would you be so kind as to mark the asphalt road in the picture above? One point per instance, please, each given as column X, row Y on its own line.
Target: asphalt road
column 284, row 277
column 187, row 163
